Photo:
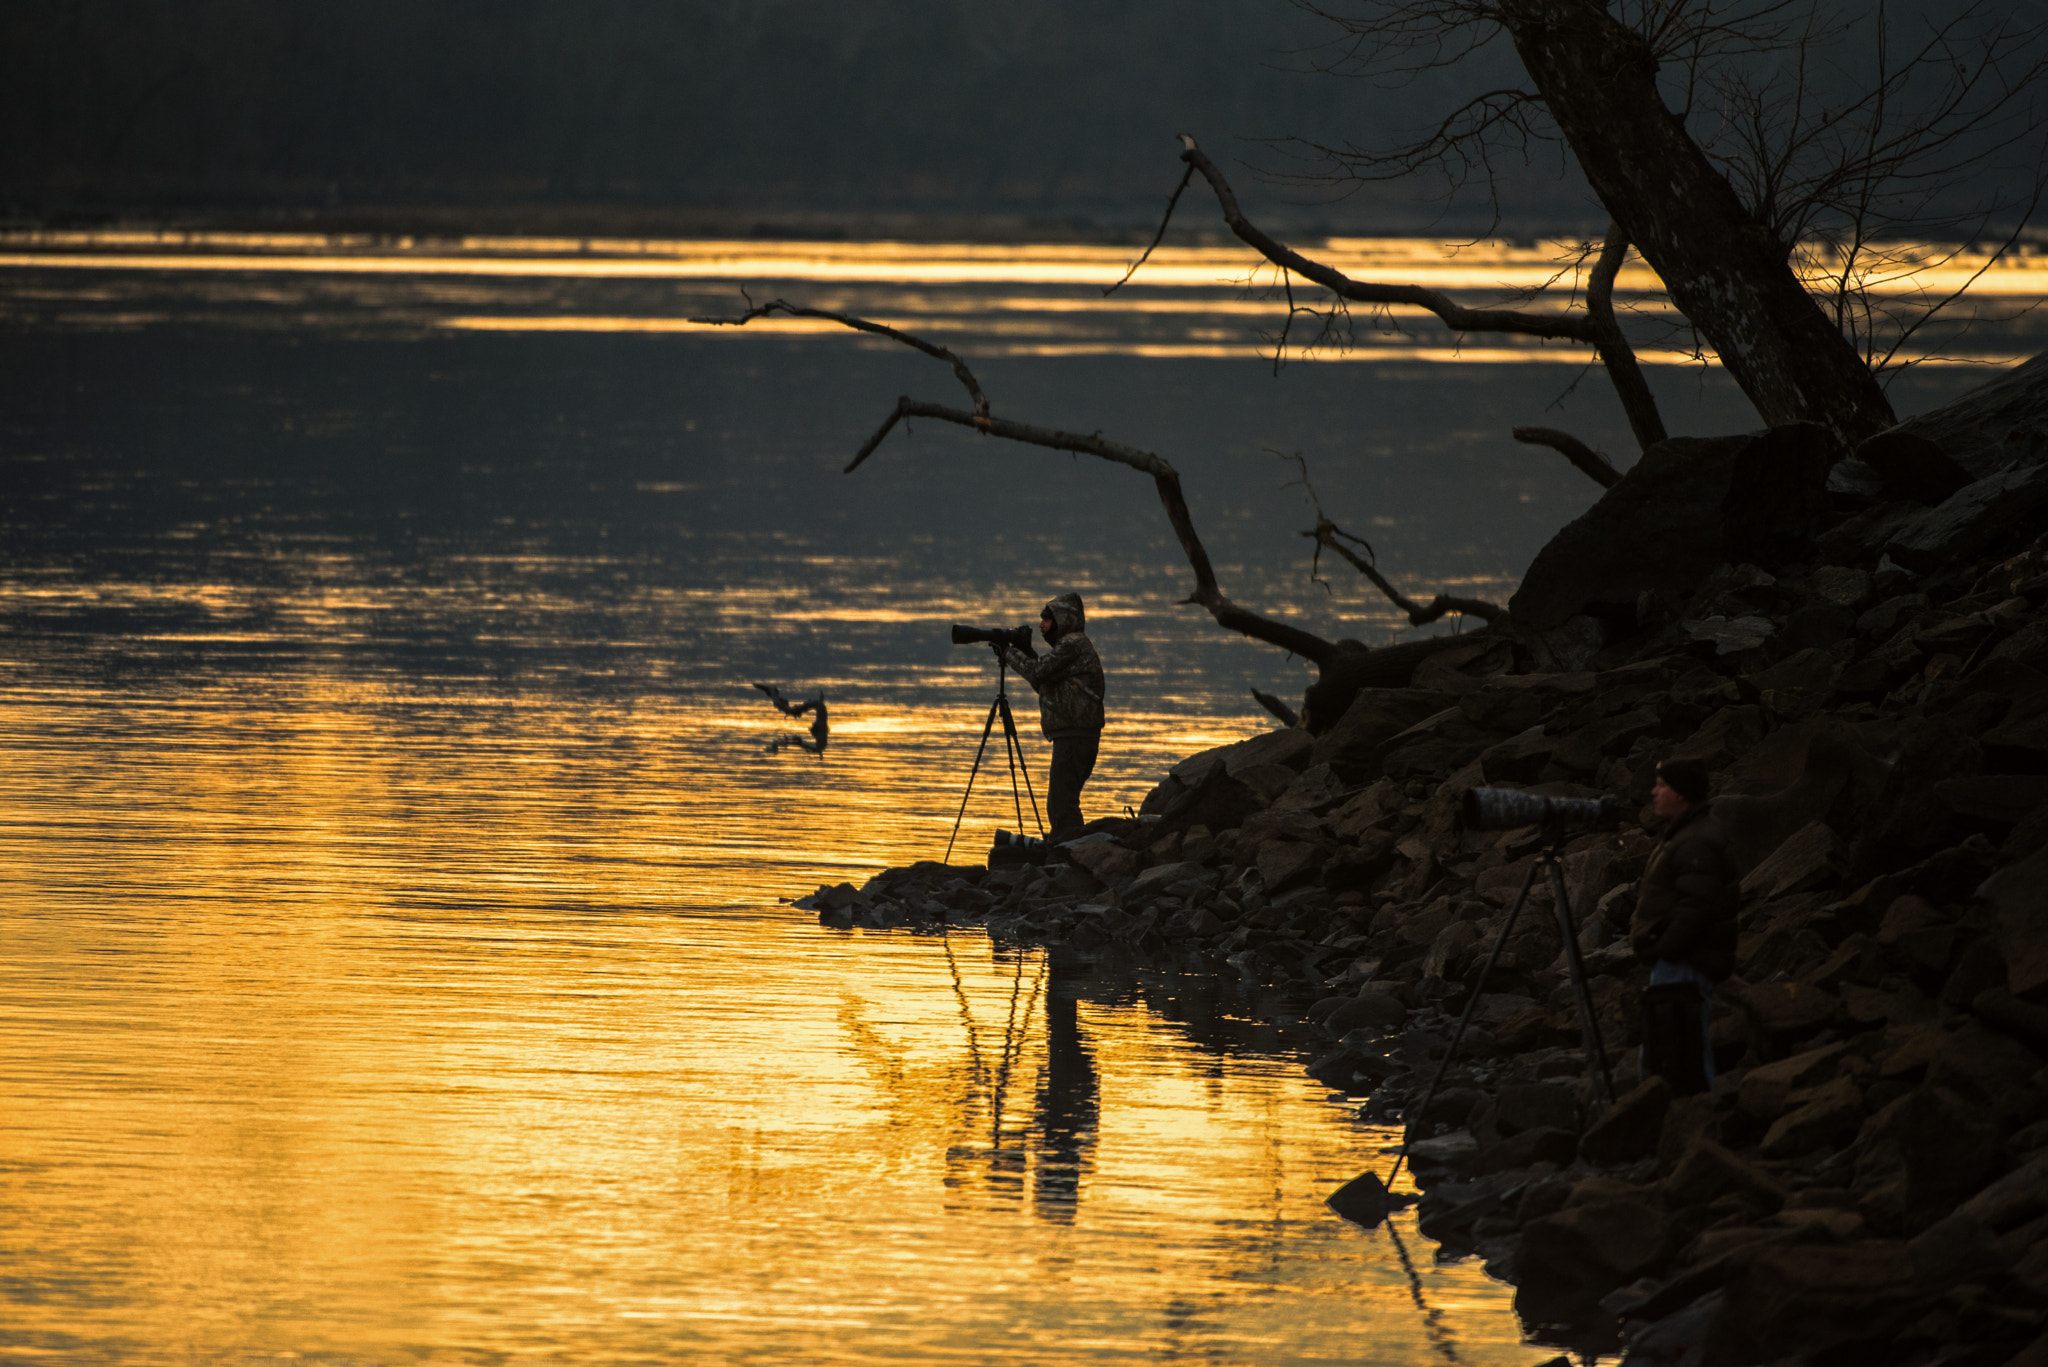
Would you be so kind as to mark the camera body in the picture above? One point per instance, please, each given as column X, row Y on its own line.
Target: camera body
column 1503, row 809
column 1019, row 637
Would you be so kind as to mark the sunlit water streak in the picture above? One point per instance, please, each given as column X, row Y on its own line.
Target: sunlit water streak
column 394, row 967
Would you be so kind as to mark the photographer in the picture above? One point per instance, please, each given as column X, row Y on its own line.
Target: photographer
column 1684, row 922
column 1070, row 688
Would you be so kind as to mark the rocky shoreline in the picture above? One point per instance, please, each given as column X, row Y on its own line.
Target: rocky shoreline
column 1867, row 1181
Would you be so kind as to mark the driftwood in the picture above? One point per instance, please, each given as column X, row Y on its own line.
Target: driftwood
column 1343, row 667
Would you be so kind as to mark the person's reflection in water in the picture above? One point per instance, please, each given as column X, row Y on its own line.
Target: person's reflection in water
column 1069, row 1105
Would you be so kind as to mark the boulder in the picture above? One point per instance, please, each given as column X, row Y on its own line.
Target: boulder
column 2017, row 896
column 1920, row 1154
column 1287, row 746
column 1793, row 1299
column 1810, row 857
column 1628, row 1129
column 1788, row 1011
column 1706, row 1170
column 1363, row 1200
column 1570, row 1259
column 1286, row 864
column 1766, row 1088
column 1972, row 519
column 2002, row 799
column 1976, row 429
column 1160, row 877
column 1688, row 505
column 1376, row 716
column 1912, row 467
column 1827, row 1116
column 1372, row 1008
column 1216, row 800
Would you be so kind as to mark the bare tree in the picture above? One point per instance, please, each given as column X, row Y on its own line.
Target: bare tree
column 1755, row 152
column 1342, row 667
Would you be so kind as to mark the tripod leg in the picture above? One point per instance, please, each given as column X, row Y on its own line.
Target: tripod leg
column 986, row 727
column 1017, row 745
column 1500, row 942
column 1589, row 1028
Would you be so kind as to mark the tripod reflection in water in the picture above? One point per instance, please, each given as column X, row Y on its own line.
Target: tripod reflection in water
column 1051, row 1149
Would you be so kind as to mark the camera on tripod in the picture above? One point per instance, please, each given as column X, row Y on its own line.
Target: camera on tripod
column 1019, row 637
column 1503, row 809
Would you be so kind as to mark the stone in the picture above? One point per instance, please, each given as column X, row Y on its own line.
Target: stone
column 1729, row 635
column 1918, row 933
column 2019, row 1197
column 1766, row 1088
column 1215, row 800
column 1313, row 787
column 1449, row 948
column 1570, row 1259
column 1360, row 738
column 2005, row 799
column 1976, row 430
column 1368, row 809
column 1840, row 586
column 1161, row 877
column 1707, row 1170
column 1288, row 746
column 1543, row 1144
column 1791, row 1010
column 1372, row 1007
column 2024, row 1021
column 1810, row 857
column 1628, row 1129
column 1268, row 781
column 1686, row 506
column 1528, row 1106
column 1363, row 1200
column 1791, row 1298
column 1991, row 1068
column 1912, row 467
column 2017, row 896
column 1821, row 1117
column 1285, row 864
column 1519, row 759
column 1972, row 519
column 1726, row 735
column 1933, row 1146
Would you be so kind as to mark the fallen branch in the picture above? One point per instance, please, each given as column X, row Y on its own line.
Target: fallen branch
column 1596, row 466
column 1343, row 666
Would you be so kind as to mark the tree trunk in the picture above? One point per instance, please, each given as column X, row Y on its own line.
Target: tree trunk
column 1726, row 272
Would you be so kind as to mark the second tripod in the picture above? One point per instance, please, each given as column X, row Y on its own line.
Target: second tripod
column 1013, row 749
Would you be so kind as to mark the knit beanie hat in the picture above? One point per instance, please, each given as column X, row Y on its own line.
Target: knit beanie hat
column 1686, row 777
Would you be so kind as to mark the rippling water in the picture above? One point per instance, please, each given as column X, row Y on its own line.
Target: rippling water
column 394, row 963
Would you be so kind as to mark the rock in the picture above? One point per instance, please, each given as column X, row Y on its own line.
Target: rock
column 1543, row 1144
column 1917, row 933
column 1957, row 1248
column 1840, row 586
column 1766, row 1088
column 2019, row 1197
column 1686, row 506
column 2018, row 898
column 1215, row 800
column 2005, row 799
column 1285, row 864
column 1366, row 810
column 1912, row 467
column 1449, row 948
column 1793, row 1299
column 1372, row 1007
column 1823, row 1116
column 1931, row 1148
column 1628, row 1129
column 1991, row 1068
column 1113, row 865
column 2024, row 1021
column 1161, row 877
column 1288, row 747
column 1810, row 857
column 1723, row 737
column 1520, row 759
column 1707, row 1170
column 1314, row 786
column 1363, row 1200
column 1790, row 1010
column 1972, row 519
column 1359, row 740
column 1528, row 1106
column 1729, row 635
column 1975, row 430
column 1569, row 1260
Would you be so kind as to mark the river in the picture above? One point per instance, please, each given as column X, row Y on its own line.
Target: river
column 397, row 964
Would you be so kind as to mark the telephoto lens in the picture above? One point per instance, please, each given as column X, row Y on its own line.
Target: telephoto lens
column 1503, row 809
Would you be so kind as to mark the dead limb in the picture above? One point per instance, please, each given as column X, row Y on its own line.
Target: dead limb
column 1595, row 326
column 1328, row 535
column 931, row 349
column 1343, row 667
column 1596, row 466
column 1287, row 715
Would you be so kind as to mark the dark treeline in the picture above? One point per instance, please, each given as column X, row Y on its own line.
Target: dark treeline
column 1039, row 107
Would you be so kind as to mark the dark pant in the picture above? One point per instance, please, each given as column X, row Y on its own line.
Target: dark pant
column 1073, row 759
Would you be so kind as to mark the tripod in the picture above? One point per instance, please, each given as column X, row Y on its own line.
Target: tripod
column 1589, row 1028
column 1013, row 749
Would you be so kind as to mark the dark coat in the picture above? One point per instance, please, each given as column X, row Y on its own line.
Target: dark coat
column 1068, row 678
column 1685, row 910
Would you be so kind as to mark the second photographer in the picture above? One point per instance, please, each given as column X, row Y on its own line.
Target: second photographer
column 1070, row 689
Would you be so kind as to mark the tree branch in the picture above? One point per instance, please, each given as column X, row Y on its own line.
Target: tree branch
column 1619, row 357
column 931, row 349
column 1328, row 535
column 1596, row 466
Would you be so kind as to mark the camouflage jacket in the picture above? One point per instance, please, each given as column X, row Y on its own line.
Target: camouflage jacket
column 1069, row 678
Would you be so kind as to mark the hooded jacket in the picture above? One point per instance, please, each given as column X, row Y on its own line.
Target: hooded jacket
column 1068, row 678
column 1685, row 912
